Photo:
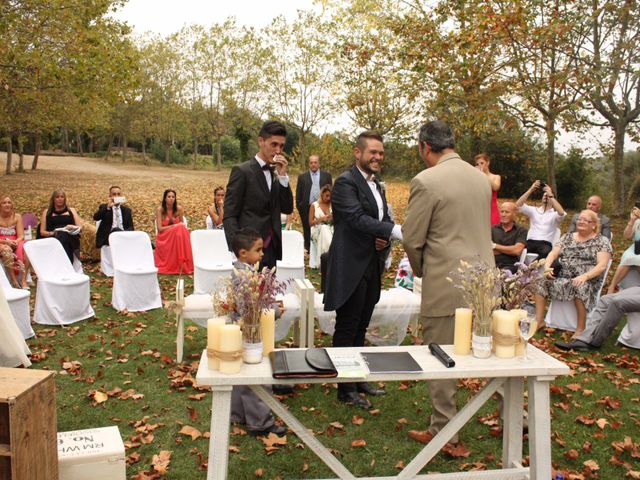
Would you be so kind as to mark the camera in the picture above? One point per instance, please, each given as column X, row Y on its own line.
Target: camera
column 542, row 185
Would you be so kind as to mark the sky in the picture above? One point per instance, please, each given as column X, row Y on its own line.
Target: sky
column 164, row 17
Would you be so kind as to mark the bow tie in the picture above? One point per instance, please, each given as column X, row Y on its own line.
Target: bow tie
column 266, row 166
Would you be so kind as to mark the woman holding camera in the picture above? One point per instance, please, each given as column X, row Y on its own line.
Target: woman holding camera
column 543, row 221
column 631, row 256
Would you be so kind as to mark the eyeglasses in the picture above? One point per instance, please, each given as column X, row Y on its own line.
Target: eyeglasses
column 582, row 219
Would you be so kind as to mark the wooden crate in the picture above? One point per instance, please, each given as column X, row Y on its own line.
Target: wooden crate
column 28, row 448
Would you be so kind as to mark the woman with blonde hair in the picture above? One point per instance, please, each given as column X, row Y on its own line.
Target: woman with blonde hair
column 582, row 259
column 62, row 223
column 12, row 253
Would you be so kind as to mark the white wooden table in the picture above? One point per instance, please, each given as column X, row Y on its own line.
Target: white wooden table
column 508, row 373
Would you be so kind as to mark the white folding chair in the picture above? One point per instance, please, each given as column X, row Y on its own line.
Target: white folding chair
column 556, row 237
column 563, row 316
column 630, row 334
column 292, row 264
column 208, row 222
column 135, row 278
column 18, row 304
column 106, row 262
column 197, row 308
column 62, row 295
column 212, row 259
column 14, row 349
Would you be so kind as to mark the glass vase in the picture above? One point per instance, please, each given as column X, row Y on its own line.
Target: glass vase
column 251, row 341
column 481, row 338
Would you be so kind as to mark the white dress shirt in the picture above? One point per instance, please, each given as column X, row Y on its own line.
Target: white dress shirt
column 542, row 225
column 283, row 179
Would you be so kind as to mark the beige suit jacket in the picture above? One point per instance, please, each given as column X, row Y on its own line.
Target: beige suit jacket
column 448, row 219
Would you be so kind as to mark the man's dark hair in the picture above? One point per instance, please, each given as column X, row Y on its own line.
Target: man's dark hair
column 114, row 186
column 243, row 240
column 361, row 141
column 272, row 128
column 438, row 135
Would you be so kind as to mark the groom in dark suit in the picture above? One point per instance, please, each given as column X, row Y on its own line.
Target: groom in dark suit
column 258, row 192
column 307, row 191
column 113, row 216
column 362, row 231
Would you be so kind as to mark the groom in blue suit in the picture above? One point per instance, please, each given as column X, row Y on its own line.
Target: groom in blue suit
column 360, row 245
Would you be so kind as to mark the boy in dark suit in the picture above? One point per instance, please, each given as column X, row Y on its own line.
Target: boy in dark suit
column 246, row 406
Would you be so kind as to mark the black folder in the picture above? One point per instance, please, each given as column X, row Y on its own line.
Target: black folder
column 391, row 362
column 309, row 363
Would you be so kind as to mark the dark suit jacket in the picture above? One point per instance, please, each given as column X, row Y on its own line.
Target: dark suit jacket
column 106, row 216
column 356, row 226
column 303, row 190
column 248, row 203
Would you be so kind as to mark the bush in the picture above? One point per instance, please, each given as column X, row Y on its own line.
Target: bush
column 230, row 149
column 158, row 151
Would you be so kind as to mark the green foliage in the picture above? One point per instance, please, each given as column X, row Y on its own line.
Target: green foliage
column 230, row 149
column 573, row 176
column 167, row 155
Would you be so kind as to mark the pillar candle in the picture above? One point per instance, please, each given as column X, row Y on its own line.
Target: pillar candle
column 506, row 323
column 462, row 333
column 230, row 341
column 268, row 330
column 520, row 346
column 213, row 339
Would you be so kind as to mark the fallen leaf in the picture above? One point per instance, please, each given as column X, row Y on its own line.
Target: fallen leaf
column 194, row 433
column 358, row 443
column 161, row 461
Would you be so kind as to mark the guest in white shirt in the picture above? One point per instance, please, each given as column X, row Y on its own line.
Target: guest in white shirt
column 543, row 220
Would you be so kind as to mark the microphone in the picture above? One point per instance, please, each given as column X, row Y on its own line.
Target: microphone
column 441, row 355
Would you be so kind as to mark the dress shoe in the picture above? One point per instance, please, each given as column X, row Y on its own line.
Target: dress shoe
column 422, row 436
column 277, row 429
column 282, row 389
column 365, row 387
column 577, row 345
column 352, row 398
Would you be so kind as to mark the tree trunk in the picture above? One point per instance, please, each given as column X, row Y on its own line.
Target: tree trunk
column 195, row 152
column 551, row 153
column 79, row 143
column 92, row 145
column 9, row 155
column 144, row 151
column 109, row 147
column 36, row 154
column 166, row 154
column 20, row 153
column 65, row 139
column 125, row 143
column 302, row 145
column 618, row 161
column 219, row 154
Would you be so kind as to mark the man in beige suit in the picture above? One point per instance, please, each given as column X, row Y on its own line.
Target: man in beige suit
column 447, row 220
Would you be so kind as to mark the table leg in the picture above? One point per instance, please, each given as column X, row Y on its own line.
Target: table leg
column 539, row 428
column 219, row 440
column 512, row 422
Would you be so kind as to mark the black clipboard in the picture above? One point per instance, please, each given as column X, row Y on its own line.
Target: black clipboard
column 391, row 362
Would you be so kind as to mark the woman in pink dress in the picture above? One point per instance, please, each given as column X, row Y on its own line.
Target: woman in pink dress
column 173, row 245
column 12, row 243
column 482, row 164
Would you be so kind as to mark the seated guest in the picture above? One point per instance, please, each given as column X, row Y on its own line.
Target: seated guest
column 59, row 221
column 321, row 223
column 173, row 245
column 508, row 238
column 543, row 220
column 630, row 258
column 604, row 319
column 113, row 217
column 12, row 253
column 246, row 406
column 216, row 211
column 583, row 258
column 594, row 203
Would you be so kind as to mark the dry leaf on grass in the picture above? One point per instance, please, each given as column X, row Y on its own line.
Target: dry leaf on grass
column 194, row 433
column 161, row 461
column 358, row 443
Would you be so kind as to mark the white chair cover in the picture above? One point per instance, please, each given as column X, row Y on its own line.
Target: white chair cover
column 292, row 264
column 13, row 349
column 212, row 259
column 197, row 308
column 208, row 222
column 135, row 278
column 19, row 304
column 563, row 315
column 396, row 309
column 62, row 295
column 106, row 261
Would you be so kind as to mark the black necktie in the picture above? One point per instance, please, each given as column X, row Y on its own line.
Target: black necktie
column 266, row 166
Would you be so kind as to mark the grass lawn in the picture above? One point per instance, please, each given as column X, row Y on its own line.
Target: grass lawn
column 131, row 359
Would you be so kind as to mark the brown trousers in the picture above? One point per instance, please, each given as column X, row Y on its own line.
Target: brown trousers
column 443, row 392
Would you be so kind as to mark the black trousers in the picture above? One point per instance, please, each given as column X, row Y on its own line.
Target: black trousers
column 306, row 228
column 541, row 247
column 352, row 318
column 269, row 258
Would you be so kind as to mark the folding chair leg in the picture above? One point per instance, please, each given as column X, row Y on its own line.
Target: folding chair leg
column 180, row 338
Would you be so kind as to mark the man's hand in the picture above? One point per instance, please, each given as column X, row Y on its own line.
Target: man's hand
column 110, row 202
column 281, row 165
column 381, row 243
